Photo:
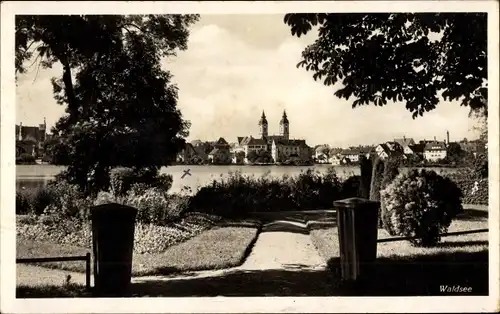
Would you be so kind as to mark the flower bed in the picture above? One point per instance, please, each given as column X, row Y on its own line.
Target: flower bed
column 148, row 238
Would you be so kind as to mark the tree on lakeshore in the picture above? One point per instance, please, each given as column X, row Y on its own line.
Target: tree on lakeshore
column 252, row 156
column 264, row 156
column 410, row 57
column 455, row 153
column 121, row 107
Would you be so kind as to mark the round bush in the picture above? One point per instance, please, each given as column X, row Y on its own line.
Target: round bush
column 420, row 204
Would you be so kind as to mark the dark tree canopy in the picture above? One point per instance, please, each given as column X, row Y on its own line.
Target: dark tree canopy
column 455, row 153
column 398, row 56
column 121, row 105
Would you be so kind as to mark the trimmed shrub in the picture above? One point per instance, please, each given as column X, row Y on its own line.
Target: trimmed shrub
column 376, row 184
column 365, row 166
column 420, row 204
column 391, row 171
column 377, row 177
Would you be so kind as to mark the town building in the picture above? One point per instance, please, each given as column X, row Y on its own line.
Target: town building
column 250, row 144
column 389, row 150
column 435, row 151
column 30, row 139
column 415, row 152
column 473, row 147
column 187, row 154
column 405, row 144
column 352, row 155
column 281, row 147
column 290, row 150
column 335, row 159
column 220, row 153
column 322, row 153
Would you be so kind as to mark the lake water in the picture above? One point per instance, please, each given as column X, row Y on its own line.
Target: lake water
column 28, row 176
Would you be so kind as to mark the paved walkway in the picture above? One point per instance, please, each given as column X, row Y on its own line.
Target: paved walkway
column 283, row 249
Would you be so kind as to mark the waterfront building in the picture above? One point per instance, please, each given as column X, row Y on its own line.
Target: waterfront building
column 30, row 139
column 280, row 146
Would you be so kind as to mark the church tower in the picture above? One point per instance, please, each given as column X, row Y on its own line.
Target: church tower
column 285, row 127
column 263, row 126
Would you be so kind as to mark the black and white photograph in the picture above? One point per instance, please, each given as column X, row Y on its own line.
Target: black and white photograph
column 220, row 151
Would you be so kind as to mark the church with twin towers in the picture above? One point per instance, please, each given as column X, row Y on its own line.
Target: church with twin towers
column 281, row 147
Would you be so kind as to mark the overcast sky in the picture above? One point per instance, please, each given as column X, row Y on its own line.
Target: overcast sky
column 238, row 65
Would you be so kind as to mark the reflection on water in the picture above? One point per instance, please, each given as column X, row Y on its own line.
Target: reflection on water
column 32, row 176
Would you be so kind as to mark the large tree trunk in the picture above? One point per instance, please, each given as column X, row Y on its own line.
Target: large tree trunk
column 70, row 93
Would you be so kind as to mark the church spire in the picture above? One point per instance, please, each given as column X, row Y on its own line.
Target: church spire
column 285, row 126
column 263, row 125
column 284, row 118
column 263, row 119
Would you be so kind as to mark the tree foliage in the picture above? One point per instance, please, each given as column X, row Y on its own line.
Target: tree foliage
column 120, row 103
column 252, row 156
column 455, row 153
column 410, row 57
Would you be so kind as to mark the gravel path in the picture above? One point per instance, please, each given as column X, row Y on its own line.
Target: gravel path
column 283, row 249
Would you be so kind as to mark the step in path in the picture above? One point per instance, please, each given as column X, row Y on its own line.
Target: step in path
column 283, row 249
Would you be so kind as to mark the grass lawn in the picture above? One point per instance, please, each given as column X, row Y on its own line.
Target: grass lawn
column 402, row 269
column 223, row 246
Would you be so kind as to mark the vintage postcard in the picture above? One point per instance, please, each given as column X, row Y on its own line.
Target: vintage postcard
column 262, row 156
